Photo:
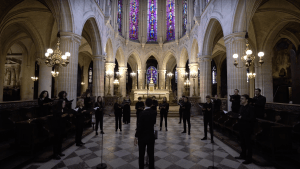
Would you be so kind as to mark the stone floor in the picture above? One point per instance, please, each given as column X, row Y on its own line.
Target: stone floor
column 173, row 150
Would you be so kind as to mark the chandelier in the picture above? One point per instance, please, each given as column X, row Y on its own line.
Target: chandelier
column 34, row 78
column 251, row 75
column 54, row 73
column 55, row 57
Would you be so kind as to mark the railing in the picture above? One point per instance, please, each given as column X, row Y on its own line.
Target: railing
column 18, row 104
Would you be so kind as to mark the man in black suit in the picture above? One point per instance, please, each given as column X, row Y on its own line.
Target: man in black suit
column 246, row 121
column 217, row 104
column 235, row 99
column 208, row 110
column 186, row 111
column 154, row 106
column 144, row 135
column 139, row 106
column 259, row 102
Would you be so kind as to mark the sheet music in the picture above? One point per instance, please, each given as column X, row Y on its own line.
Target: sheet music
column 96, row 108
column 225, row 111
column 76, row 109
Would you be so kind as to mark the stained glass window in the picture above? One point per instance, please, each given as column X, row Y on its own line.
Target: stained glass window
column 170, row 20
column 184, row 16
column 152, row 70
column 90, row 75
column 214, row 75
column 119, row 20
column 152, row 20
column 134, row 19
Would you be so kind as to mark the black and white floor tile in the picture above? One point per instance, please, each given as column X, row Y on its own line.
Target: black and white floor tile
column 173, row 150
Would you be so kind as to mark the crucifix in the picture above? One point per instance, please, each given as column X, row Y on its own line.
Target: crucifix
column 151, row 81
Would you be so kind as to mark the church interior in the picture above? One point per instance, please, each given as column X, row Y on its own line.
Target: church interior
column 139, row 49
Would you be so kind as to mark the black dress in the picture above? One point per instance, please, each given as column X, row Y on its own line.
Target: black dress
column 164, row 109
column 44, row 110
column 118, row 115
column 139, row 106
column 208, row 119
column 79, row 122
column 186, row 111
column 235, row 99
column 259, row 106
column 87, row 103
column 126, row 111
column 58, row 130
column 99, row 115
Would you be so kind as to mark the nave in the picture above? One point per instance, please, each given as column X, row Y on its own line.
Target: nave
column 173, row 150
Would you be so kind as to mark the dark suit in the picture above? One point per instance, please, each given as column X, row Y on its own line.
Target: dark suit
column 87, row 103
column 246, row 122
column 99, row 115
column 208, row 118
column 164, row 109
column 259, row 106
column 79, row 121
column 235, row 99
column 186, row 111
column 138, row 107
column 154, row 107
column 126, row 111
column 145, row 135
column 180, row 110
column 118, row 115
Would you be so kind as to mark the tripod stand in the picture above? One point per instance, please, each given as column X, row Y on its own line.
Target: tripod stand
column 101, row 165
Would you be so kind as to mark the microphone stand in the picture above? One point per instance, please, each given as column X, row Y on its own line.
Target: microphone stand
column 212, row 136
column 101, row 165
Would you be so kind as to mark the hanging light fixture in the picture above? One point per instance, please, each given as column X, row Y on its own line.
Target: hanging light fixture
column 54, row 73
column 34, row 78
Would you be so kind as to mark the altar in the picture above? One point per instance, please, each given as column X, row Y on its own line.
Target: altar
column 144, row 93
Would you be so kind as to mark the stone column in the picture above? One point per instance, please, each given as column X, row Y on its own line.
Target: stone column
column 141, row 79
column 109, row 67
column 2, row 74
column 67, row 78
column 162, row 79
column 180, row 80
column 205, row 76
column 45, row 77
column 236, row 77
column 122, row 87
column 193, row 68
column 98, row 76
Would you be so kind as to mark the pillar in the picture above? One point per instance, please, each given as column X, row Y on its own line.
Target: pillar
column 98, row 75
column 141, row 79
column 45, row 77
column 193, row 68
column 109, row 67
column 205, row 76
column 180, row 80
column 236, row 77
column 2, row 74
column 28, row 70
column 122, row 88
column 162, row 79
column 67, row 78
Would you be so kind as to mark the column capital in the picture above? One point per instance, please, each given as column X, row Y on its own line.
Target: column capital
column 193, row 65
column 239, row 36
column 110, row 66
column 123, row 69
column 162, row 71
column 204, row 58
column 70, row 35
column 180, row 70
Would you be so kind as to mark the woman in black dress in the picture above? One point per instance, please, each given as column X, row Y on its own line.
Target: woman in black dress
column 88, row 101
column 44, row 103
column 99, row 114
column 118, row 114
column 126, row 110
column 79, row 115
column 58, row 129
column 63, row 95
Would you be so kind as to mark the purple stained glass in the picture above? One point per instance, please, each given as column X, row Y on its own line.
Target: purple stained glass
column 119, row 19
column 184, row 16
column 154, row 74
column 152, row 20
column 170, row 20
column 134, row 19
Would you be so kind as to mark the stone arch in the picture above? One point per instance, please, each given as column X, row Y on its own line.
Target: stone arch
column 194, row 51
column 167, row 57
column 109, row 52
column 182, row 58
column 137, row 59
column 120, row 57
column 212, row 33
column 155, row 55
column 67, row 16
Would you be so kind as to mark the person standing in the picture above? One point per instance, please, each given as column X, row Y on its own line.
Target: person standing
column 99, row 114
column 126, row 110
column 118, row 114
column 259, row 103
column 154, row 106
column 139, row 106
column 164, row 109
column 88, row 101
column 63, row 95
column 79, row 121
column 246, row 121
column 144, row 135
column 186, row 113
column 217, row 104
column 208, row 109
column 180, row 109
column 44, row 104
column 58, row 129
column 235, row 99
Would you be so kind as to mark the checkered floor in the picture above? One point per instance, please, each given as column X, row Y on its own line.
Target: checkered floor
column 173, row 150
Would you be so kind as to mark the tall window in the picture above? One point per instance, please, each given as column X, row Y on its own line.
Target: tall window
column 152, row 20
column 184, row 16
column 214, row 75
column 170, row 20
column 119, row 20
column 134, row 19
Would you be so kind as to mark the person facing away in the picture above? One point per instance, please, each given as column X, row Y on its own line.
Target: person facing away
column 79, row 121
column 118, row 114
column 63, row 95
column 154, row 106
column 44, row 103
column 180, row 108
column 88, row 101
column 246, row 121
column 217, row 104
column 99, row 114
column 126, row 110
column 208, row 112
column 259, row 104
column 235, row 99
column 186, row 113
column 164, row 109
column 144, row 135
column 58, row 129
column 139, row 106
